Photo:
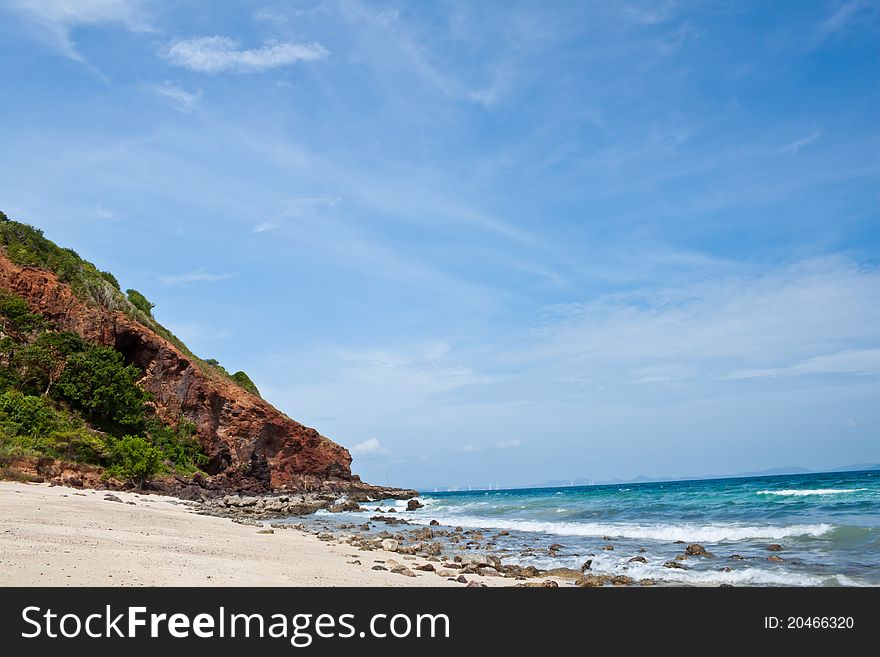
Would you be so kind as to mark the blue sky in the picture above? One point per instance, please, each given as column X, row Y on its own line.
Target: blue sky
column 483, row 243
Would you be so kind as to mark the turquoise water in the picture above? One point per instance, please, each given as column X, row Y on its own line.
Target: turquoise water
column 827, row 524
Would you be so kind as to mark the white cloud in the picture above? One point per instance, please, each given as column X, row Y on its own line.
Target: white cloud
column 813, row 317
column 105, row 214
column 182, row 100
column 219, row 54
column 58, row 18
column 512, row 443
column 370, row 447
column 266, row 226
column 858, row 362
column 842, row 17
column 297, row 208
column 796, row 145
column 199, row 276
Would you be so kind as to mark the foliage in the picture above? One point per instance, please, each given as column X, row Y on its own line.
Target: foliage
column 26, row 415
column 110, row 278
column 134, row 459
column 179, row 448
column 98, row 383
column 140, row 302
column 51, row 381
column 16, row 315
column 41, row 363
column 245, row 382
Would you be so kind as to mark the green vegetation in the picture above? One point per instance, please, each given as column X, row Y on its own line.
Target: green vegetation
column 66, row 398
column 27, row 246
column 240, row 378
column 245, row 382
column 140, row 302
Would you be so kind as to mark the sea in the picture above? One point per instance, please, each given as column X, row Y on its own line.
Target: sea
column 827, row 524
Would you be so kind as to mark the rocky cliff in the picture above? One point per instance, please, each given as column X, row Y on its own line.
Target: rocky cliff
column 252, row 446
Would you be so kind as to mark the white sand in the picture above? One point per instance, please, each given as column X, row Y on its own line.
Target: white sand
column 56, row 536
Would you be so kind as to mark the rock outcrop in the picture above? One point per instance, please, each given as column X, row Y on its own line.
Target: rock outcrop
column 252, row 446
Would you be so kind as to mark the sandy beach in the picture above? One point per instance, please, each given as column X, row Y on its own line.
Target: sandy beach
column 58, row 536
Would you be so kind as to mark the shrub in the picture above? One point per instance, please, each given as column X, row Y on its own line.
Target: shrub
column 110, row 278
column 178, row 447
column 134, row 459
column 98, row 382
column 26, row 415
column 77, row 445
column 245, row 382
column 140, row 302
column 42, row 362
column 18, row 317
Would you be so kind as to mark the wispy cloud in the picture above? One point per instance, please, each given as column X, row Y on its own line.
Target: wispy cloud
column 199, row 276
column 796, row 145
column 297, row 208
column 59, row 18
column 843, row 15
column 222, row 54
column 369, row 447
column 105, row 214
column 181, row 99
column 858, row 362
column 784, row 322
column 472, row 448
column 266, row 226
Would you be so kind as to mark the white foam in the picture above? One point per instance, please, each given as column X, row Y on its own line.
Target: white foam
column 810, row 491
column 684, row 532
column 739, row 576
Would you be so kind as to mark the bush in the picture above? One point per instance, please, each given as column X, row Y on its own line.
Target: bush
column 26, row 415
column 134, row 459
column 110, row 278
column 74, row 445
column 40, row 363
column 16, row 314
column 245, row 382
column 98, row 382
column 178, row 447
column 140, row 302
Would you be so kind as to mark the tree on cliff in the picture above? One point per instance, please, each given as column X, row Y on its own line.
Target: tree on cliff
column 140, row 302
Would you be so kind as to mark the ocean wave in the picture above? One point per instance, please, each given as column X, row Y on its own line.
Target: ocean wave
column 793, row 492
column 701, row 533
column 742, row 576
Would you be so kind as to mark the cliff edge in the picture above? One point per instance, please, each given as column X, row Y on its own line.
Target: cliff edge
column 251, row 445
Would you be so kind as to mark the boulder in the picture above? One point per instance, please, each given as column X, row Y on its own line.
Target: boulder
column 564, row 573
column 592, row 581
column 390, row 545
column 474, row 559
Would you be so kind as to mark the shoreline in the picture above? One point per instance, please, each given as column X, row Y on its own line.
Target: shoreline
column 60, row 536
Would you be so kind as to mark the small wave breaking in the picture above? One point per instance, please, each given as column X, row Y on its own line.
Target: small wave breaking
column 716, row 533
column 791, row 492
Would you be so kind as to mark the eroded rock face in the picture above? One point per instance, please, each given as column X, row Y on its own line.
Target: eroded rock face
column 252, row 445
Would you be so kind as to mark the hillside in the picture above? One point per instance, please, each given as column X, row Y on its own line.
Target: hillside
column 89, row 377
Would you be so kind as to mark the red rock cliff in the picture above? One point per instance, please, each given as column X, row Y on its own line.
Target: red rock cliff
column 252, row 445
